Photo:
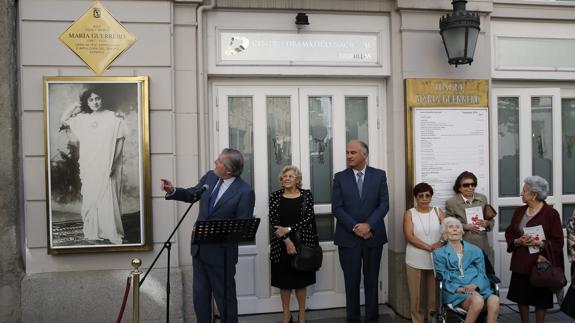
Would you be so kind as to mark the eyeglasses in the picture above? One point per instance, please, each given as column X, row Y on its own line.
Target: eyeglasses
column 424, row 195
column 468, row 185
column 288, row 177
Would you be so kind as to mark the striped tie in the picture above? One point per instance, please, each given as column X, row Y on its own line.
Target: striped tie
column 360, row 182
column 214, row 195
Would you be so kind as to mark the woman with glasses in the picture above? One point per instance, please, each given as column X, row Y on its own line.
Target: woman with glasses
column 466, row 198
column 421, row 230
column 292, row 217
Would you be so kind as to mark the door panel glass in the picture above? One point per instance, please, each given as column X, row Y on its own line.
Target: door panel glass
column 240, row 123
column 542, row 138
column 508, row 152
column 325, row 226
column 505, row 215
column 320, row 147
column 356, row 119
column 279, row 138
column 568, row 144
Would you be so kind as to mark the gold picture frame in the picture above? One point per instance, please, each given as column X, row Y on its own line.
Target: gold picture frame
column 97, row 152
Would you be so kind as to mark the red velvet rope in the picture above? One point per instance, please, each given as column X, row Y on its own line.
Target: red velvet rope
column 126, row 293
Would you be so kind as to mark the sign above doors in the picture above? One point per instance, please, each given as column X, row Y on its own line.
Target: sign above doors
column 295, row 48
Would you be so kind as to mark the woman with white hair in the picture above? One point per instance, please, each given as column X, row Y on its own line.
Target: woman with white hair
column 292, row 216
column 534, row 213
column 462, row 266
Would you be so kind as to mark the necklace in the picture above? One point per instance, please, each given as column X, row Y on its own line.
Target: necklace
column 535, row 210
column 459, row 259
column 291, row 194
column 426, row 232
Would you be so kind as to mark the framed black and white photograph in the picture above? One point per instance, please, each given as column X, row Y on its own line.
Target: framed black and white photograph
column 97, row 164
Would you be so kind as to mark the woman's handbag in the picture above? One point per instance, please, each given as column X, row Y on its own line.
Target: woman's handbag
column 545, row 275
column 306, row 258
column 489, row 212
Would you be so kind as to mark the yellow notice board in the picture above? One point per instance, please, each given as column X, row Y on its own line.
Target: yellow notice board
column 447, row 132
column 97, row 38
column 446, row 93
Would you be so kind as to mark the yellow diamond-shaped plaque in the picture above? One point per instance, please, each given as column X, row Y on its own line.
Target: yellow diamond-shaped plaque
column 97, row 38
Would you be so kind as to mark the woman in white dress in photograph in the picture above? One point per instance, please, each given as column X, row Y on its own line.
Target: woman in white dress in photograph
column 101, row 134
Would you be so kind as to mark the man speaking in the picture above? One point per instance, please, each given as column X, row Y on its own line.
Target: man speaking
column 227, row 197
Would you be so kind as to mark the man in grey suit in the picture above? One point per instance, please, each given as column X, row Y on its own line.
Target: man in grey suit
column 360, row 202
column 228, row 197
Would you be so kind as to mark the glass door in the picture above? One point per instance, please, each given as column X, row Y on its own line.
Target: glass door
column 526, row 128
column 306, row 126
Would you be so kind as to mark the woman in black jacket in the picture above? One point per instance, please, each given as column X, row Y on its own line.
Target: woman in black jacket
column 292, row 217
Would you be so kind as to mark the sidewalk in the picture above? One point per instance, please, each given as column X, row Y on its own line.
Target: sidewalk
column 337, row 315
column 508, row 314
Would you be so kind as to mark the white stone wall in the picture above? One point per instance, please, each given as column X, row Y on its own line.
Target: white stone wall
column 165, row 51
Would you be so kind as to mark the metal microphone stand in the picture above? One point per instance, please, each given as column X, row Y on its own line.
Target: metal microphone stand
column 168, row 246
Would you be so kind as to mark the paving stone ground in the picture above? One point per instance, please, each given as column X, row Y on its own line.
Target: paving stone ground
column 508, row 314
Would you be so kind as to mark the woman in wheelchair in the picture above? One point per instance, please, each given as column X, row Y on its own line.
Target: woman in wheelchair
column 462, row 266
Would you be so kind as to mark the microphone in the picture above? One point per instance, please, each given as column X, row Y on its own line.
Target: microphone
column 197, row 195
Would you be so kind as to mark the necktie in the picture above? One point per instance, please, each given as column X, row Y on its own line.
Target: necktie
column 359, row 182
column 214, row 195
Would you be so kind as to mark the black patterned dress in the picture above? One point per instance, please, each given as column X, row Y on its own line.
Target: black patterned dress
column 289, row 214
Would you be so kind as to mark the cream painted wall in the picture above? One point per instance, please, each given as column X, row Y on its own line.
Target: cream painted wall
column 56, row 286
column 165, row 51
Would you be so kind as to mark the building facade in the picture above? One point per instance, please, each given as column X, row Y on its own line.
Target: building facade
column 242, row 74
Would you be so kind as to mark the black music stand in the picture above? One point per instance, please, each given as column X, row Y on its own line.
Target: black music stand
column 225, row 231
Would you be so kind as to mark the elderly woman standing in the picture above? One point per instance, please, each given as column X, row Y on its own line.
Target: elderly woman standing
column 466, row 197
column 536, row 212
column 291, row 212
column 462, row 266
column 421, row 231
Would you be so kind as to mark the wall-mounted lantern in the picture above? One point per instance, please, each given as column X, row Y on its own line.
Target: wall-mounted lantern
column 459, row 31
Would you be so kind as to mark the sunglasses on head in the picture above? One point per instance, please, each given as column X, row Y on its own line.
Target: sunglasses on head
column 468, row 185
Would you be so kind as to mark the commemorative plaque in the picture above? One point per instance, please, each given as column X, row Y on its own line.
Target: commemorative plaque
column 97, row 38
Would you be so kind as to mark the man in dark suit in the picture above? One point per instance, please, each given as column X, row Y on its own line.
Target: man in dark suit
column 228, row 197
column 360, row 202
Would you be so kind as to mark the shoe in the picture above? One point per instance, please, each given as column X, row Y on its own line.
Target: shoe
column 290, row 319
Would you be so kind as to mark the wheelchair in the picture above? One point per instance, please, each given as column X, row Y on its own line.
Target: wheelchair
column 448, row 313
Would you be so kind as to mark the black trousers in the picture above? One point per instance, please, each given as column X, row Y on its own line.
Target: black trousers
column 354, row 261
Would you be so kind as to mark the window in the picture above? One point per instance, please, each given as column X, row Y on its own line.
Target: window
column 534, row 135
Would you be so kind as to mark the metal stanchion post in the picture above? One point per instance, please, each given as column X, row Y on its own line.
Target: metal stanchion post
column 136, row 263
